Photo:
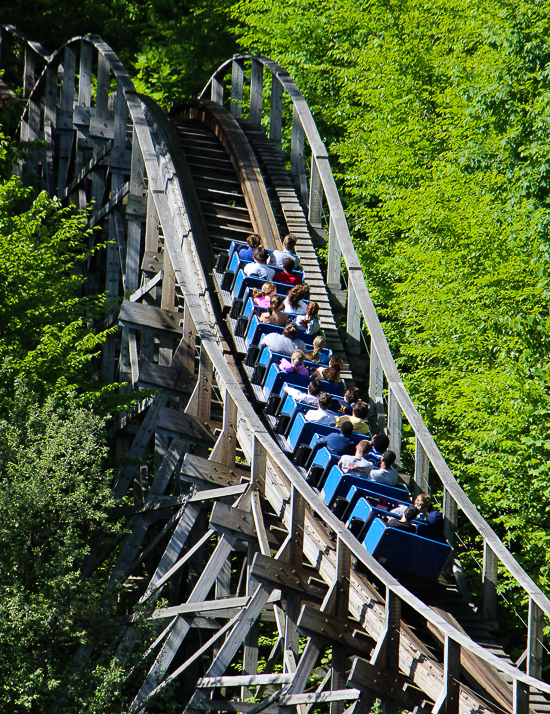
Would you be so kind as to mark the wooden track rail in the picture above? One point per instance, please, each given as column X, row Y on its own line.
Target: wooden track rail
column 115, row 155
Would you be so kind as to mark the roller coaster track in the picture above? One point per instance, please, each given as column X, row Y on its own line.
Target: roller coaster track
column 170, row 192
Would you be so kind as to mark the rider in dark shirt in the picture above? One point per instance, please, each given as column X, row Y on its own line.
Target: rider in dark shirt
column 404, row 523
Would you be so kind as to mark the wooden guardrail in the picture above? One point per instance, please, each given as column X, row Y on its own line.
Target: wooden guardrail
column 272, row 471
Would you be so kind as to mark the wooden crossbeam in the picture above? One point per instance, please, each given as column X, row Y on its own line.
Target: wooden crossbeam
column 146, row 287
column 206, row 608
column 180, row 425
column 337, row 695
column 94, row 161
column 196, row 469
column 108, row 207
column 253, row 680
column 370, row 677
column 312, row 622
column 146, row 317
column 294, row 580
column 173, row 381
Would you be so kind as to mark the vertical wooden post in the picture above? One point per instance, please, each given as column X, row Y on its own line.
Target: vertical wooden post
column 315, row 213
column 133, row 241
column 421, row 469
column 237, row 83
column 200, row 403
column 102, row 99
column 490, row 575
column 276, row 111
column 66, row 135
column 450, row 516
column 85, row 74
column 29, row 70
column 521, row 698
column 535, row 636
column 259, row 464
column 334, row 268
column 296, row 556
column 339, row 652
column 216, row 90
column 376, row 387
column 392, row 642
column 451, row 676
column 297, row 165
column 395, row 424
column 50, row 118
column 353, row 322
column 256, row 93
column 189, row 340
column 226, row 445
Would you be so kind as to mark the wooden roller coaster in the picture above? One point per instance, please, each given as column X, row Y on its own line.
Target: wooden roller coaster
column 224, row 525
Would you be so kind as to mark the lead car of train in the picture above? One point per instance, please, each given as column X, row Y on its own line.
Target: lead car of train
column 362, row 504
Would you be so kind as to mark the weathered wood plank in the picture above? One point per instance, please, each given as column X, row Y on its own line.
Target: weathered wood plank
column 253, row 680
column 172, row 380
column 145, row 317
column 180, row 425
column 206, row 608
column 312, row 622
column 196, row 469
column 290, row 579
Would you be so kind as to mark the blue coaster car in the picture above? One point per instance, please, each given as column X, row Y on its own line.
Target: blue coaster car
column 276, row 379
column 257, row 329
column 406, row 552
column 338, row 484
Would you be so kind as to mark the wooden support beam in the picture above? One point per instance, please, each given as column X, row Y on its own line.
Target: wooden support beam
column 200, row 403
column 256, row 93
column 255, row 680
column 450, row 516
column 373, row 679
column 535, row 636
column 226, row 446
column 339, row 631
column 520, row 698
column 237, row 83
column 315, row 213
column 334, row 267
column 238, row 523
column 395, row 424
column 276, row 111
column 227, row 607
column 376, row 387
column 297, row 164
column 85, row 74
column 421, row 469
column 140, row 443
column 490, row 578
column 180, row 629
column 216, row 90
column 342, row 695
column 145, row 317
column 196, row 469
column 173, row 381
column 341, row 610
column 180, row 425
column 290, row 579
column 146, row 287
column 448, row 701
column 353, row 323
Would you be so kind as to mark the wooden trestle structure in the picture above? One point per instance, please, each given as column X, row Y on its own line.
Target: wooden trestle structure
column 231, row 533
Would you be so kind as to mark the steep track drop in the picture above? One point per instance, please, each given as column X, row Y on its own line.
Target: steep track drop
column 170, row 196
